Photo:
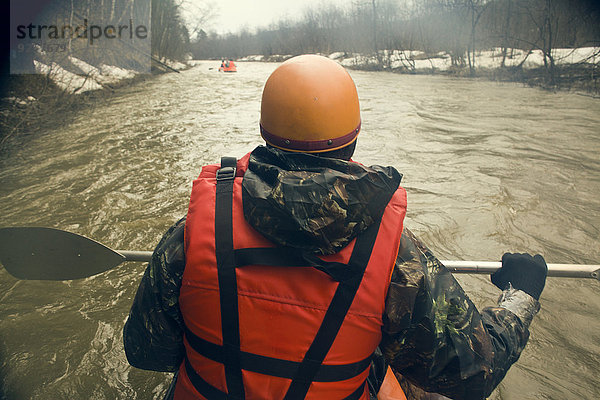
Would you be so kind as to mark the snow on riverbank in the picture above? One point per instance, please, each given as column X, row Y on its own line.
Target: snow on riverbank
column 75, row 76
column 88, row 77
column 104, row 74
column 81, row 76
column 66, row 80
column 415, row 60
column 420, row 61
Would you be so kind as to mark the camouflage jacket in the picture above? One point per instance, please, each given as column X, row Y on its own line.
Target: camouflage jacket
column 432, row 334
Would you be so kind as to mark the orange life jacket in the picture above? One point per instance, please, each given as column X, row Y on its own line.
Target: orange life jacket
column 260, row 322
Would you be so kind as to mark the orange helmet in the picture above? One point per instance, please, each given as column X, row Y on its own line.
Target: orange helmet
column 309, row 104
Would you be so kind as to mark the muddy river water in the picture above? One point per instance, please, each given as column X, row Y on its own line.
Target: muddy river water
column 488, row 167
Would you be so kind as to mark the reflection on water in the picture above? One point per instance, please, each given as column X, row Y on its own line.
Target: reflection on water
column 488, row 168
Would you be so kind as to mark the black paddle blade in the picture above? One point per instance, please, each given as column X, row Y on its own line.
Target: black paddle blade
column 51, row 254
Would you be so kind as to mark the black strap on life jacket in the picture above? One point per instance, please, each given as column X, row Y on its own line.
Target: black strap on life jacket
column 212, row 393
column 230, row 324
column 311, row 369
column 336, row 312
column 275, row 366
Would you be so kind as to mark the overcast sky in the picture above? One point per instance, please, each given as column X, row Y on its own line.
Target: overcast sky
column 232, row 15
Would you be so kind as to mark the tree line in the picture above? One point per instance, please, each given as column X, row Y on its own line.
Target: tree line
column 170, row 38
column 458, row 27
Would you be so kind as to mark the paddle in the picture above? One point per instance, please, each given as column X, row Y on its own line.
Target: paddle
column 53, row 254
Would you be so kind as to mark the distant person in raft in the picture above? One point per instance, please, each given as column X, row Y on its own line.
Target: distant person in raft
column 292, row 271
column 227, row 66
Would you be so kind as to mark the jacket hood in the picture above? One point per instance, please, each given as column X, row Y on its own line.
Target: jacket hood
column 313, row 203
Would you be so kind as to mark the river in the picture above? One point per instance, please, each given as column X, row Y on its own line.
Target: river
column 489, row 168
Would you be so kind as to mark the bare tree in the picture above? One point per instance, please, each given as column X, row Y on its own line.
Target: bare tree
column 476, row 8
column 459, row 28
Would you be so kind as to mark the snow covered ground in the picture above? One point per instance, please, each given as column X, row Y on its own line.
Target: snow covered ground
column 418, row 60
column 77, row 76
column 66, row 80
column 88, row 77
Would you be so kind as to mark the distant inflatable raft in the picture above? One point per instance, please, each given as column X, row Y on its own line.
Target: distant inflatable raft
column 228, row 66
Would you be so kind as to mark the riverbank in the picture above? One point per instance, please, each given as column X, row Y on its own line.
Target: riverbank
column 28, row 100
column 572, row 70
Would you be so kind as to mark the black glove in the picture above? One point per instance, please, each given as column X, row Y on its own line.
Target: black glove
column 524, row 272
